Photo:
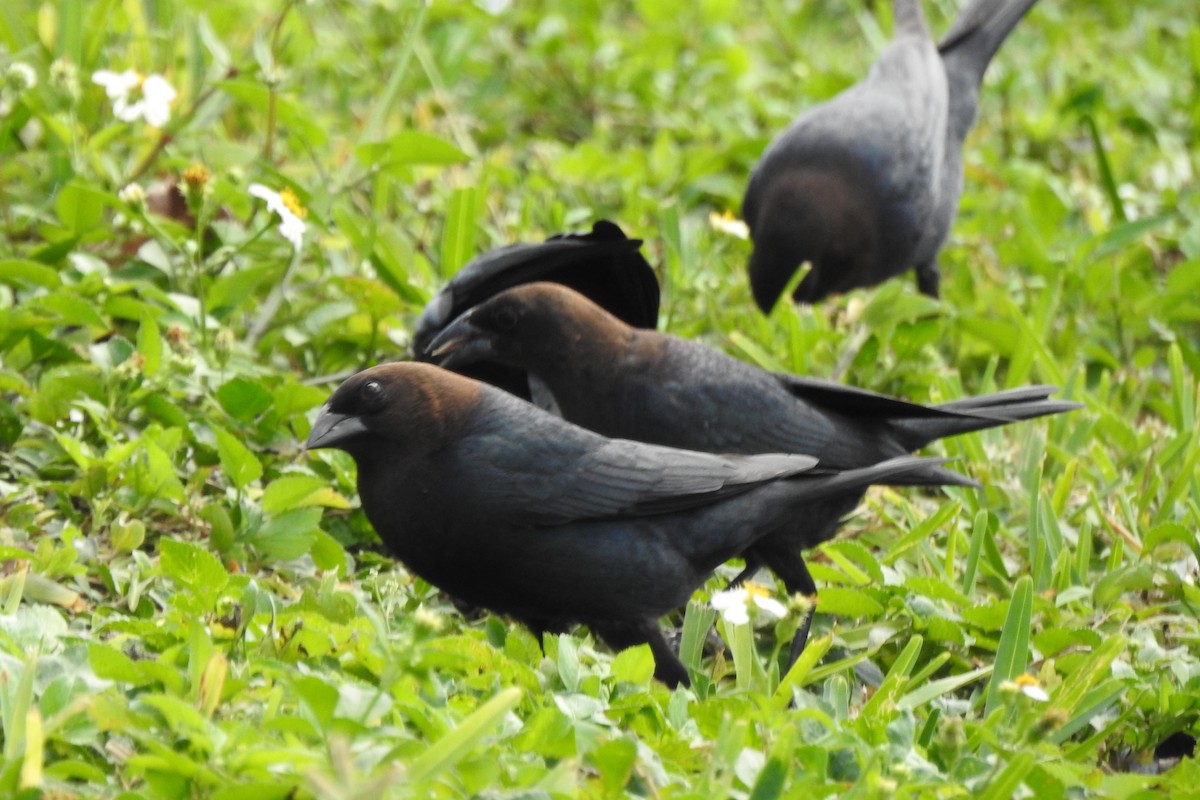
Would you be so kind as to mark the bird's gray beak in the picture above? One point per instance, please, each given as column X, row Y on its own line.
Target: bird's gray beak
column 461, row 343
column 333, row 430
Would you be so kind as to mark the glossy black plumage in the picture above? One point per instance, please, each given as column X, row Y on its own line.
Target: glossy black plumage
column 866, row 185
column 510, row 508
column 603, row 265
column 623, row 382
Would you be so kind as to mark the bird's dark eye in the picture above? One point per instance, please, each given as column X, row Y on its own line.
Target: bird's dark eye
column 504, row 318
column 372, row 394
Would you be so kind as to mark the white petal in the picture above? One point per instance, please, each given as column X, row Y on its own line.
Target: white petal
column 157, row 90
column 732, row 606
column 736, row 615
column 770, row 606
column 729, row 598
column 116, row 84
column 157, row 114
column 292, row 228
column 262, row 192
column 126, row 111
column 1036, row 693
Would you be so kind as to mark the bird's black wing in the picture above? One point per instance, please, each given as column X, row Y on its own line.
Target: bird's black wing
column 535, row 469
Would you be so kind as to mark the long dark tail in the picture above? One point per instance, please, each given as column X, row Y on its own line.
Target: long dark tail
column 899, row 471
column 979, row 30
column 979, row 413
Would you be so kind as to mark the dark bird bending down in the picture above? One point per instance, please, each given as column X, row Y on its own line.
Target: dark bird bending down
column 604, row 265
column 510, row 508
column 866, row 185
column 600, row 373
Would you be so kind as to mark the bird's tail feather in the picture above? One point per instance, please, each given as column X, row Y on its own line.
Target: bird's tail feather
column 900, row 471
column 979, row 413
column 979, row 30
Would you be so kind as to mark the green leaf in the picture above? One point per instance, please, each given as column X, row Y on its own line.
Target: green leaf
column 300, row 491
column 80, row 207
column 18, row 272
column 327, row 552
column 1004, row 785
column 614, row 759
column 194, row 567
column 243, row 399
column 771, row 781
column 452, row 747
column 409, row 148
column 633, row 665
column 149, row 344
column 934, row 689
column 237, row 461
column 1013, row 653
column 698, row 620
column 458, row 235
column 846, row 602
column 289, row 535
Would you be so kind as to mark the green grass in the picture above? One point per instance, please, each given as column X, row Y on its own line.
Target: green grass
column 192, row 607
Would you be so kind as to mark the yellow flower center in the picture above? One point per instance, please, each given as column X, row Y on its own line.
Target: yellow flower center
column 1025, row 679
column 754, row 590
column 289, row 199
column 197, row 175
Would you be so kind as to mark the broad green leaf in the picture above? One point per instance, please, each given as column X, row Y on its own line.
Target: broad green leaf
column 16, row 272
column 192, row 566
column 243, row 399
column 241, row 465
column 80, row 207
column 299, row 491
column 409, row 148
column 846, row 602
column 633, row 665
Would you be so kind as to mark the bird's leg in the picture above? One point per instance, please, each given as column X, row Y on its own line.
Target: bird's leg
column 801, row 637
column 620, row 635
column 753, row 564
column 929, row 278
column 791, row 569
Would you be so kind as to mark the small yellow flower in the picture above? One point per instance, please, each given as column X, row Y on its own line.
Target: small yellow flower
column 197, row 176
column 287, row 206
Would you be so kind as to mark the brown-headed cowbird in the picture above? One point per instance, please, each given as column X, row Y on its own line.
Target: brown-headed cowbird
column 510, row 508
column 603, row 265
column 619, row 381
column 866, row 186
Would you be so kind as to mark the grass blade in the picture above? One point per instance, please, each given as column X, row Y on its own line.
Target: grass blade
column 1013, row 652
column 450, row 749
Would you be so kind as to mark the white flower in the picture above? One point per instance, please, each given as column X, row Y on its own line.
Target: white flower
column 287, row 206
column 729, row 225
column 734, row 604
column 137, row 96
column 133, row 195
column 20, row 76
column 1027, row 685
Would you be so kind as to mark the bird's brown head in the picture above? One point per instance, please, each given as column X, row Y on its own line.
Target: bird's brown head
column 531, row 327
column 405, row 406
